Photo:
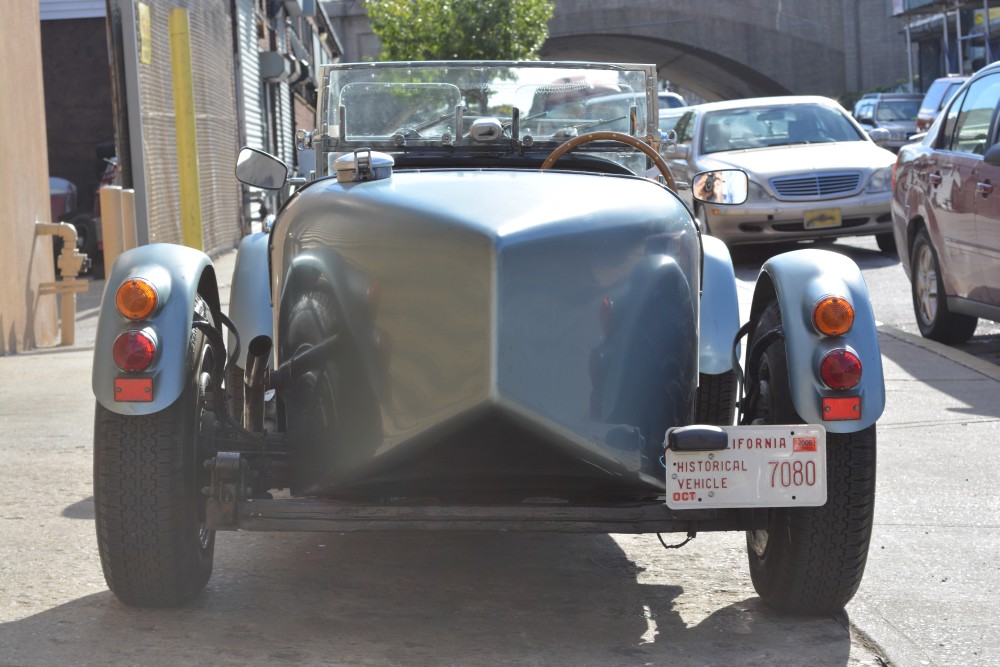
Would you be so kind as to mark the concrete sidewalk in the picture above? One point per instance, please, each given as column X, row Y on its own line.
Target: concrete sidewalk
column 932, row 581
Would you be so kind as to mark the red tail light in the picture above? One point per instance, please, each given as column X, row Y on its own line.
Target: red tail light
column 840, row 369
column 133, row 351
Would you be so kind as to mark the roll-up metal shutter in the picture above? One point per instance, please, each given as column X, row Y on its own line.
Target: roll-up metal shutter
column 249, row 47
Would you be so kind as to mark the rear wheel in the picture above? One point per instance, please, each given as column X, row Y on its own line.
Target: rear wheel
column 716, row 399
column 150, row 512
column 809, row 559
column 86, row 234
column 930, row 304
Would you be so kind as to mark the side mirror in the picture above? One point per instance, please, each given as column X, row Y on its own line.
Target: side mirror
column 722, row 186
column 261, row 170
column 879, row 135
column 992, row 155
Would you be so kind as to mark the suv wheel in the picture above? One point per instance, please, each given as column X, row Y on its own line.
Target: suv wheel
column 929, row 300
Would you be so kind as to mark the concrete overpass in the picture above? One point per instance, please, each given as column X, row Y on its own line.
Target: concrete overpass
column 718, row 49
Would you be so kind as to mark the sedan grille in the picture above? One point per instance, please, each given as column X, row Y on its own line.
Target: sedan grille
column 816, row 185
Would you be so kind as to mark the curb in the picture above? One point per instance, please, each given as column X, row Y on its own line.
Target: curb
column 971, row 362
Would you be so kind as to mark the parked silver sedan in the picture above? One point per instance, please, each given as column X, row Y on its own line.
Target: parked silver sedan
column 814, row 172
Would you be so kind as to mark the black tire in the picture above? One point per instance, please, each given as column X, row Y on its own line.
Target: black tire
column 331, row 408
column 930, row 304
column 148, row 475
column 86, row 234
column 886, row 243
column 716, row 403
column 810, row 560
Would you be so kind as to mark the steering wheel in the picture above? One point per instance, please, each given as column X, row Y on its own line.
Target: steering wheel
column 613, row 136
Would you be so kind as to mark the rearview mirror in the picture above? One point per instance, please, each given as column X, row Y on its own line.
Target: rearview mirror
column 722, row 186
column 260, row 170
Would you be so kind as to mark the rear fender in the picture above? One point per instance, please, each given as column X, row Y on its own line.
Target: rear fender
column 179, row 274
column 250, row 298
column 719, row 318
column 799, row 279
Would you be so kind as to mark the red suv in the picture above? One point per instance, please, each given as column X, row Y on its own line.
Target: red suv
column 938, row 95
column 946, row 213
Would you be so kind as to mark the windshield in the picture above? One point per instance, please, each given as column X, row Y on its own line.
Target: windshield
column 776, row 125
column 474, row 106
column 889, row 110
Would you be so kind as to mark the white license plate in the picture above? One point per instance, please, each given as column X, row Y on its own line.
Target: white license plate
column 762, row 466
column 822, row 218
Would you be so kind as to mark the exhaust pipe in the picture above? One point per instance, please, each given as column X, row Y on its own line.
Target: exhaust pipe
column 258, row 355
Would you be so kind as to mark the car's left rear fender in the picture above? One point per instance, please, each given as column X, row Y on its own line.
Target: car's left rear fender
column 180, row 275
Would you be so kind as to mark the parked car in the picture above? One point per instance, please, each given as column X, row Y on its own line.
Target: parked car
column 479, row 317
column 946, row 213
column 814, row 173
column 668, row 118
column 670, row 100
column 937, row 96
column 894, row 112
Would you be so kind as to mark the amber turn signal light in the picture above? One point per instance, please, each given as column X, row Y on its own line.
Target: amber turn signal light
column 136, row 298
column 833, row 316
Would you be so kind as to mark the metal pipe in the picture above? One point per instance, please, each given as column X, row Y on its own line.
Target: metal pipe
column 70, row 262
column 947, row 47
column 258, row 354
column 958, row 41
column 986, row 28
column 909, row 57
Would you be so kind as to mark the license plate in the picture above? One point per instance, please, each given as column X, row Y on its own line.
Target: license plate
column 762, row 466
column 822, row 218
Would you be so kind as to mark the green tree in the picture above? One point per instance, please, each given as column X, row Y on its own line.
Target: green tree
column 460, row 29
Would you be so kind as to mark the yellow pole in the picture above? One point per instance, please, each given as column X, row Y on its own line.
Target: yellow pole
column 187, row 145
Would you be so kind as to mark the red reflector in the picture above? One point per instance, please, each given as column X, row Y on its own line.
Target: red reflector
column 133, row 351
column 133, row 390
column 841, row 409
column 840, row 369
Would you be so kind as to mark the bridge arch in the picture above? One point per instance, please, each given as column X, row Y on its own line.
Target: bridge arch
column 712, row 76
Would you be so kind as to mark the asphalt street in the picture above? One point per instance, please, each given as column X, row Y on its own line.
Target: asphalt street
column 930, row 591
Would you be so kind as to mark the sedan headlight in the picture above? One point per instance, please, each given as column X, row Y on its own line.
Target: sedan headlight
column 881, row 180
column 756, row 193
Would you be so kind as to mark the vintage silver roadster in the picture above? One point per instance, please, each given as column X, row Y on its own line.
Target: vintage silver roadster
column 487, row 309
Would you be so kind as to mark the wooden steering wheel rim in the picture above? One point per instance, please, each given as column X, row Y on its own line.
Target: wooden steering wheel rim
column 613, row 136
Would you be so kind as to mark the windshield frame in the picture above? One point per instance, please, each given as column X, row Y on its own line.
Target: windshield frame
column 333, row 137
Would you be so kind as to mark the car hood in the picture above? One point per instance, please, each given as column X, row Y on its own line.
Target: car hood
column 765, row 163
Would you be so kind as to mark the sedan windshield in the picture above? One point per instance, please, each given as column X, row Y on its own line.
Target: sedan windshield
column 777, row 125
column 890, row 110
